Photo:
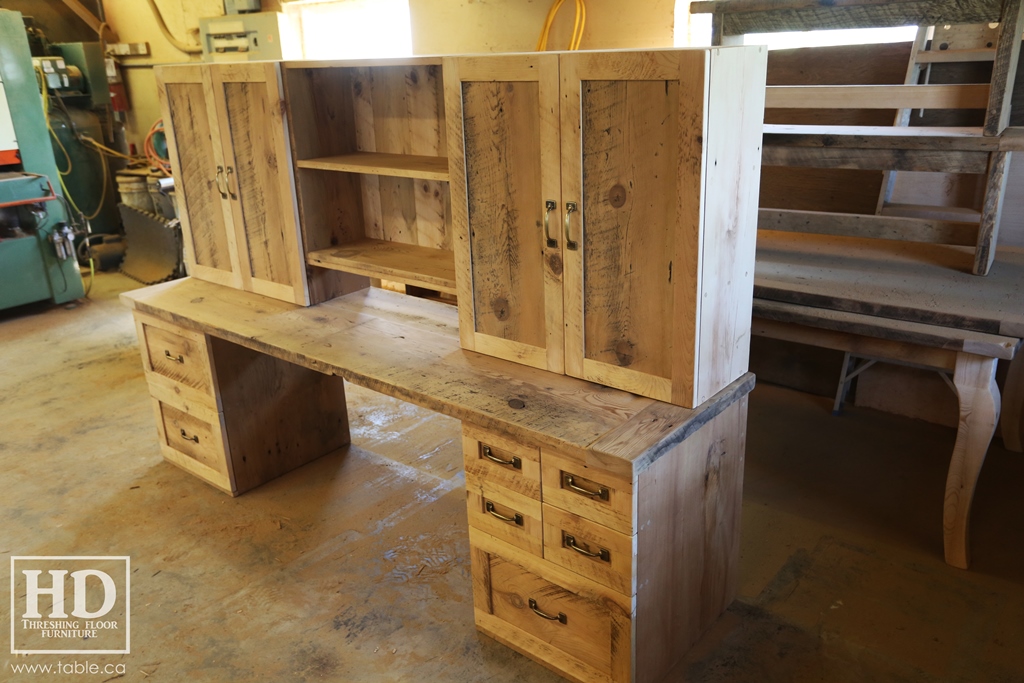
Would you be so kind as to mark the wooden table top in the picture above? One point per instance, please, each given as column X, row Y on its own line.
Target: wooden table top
column 920, row 283
column 409, row 348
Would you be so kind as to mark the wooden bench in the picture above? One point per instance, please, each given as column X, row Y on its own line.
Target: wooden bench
column 946, row 149
column 858, row 297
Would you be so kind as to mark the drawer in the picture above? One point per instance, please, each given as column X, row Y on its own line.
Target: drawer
column 590, row 549
column 498, row 460
column 588, row 492
column 178, row 355
column 505, row 514
column 193, row 439
column 569, row 624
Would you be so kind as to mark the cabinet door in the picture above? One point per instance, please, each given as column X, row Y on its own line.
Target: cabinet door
column 259, row 180
column 193, row 140
column 631, row 181
column 502, row 113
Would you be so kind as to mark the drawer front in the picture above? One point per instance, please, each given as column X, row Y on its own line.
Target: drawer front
column 177, row 354
column 196, row 436
column 577, row 626
column 504, row 514
column 501, row 461
column 592, row 494
column 589, row 549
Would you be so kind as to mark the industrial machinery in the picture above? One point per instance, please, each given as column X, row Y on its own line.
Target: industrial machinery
column 37, row 261
column 78, row 99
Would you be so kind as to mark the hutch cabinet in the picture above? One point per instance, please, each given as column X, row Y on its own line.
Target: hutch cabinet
column 604, row 207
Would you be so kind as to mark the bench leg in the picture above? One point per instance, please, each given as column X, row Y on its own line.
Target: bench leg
column 975, row 381
column 1012, row 419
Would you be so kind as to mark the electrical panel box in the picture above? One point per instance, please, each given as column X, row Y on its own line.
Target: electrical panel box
column 262, row 36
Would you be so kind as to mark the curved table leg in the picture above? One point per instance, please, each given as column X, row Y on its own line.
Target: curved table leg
column 975, row 381
column 1012, row 419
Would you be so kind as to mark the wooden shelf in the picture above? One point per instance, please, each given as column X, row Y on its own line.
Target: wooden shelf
column 398, row 165
column 406, row 263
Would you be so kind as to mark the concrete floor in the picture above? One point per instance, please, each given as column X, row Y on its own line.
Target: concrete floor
column 355, row 567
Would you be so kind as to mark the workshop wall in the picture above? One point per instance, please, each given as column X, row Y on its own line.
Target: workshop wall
column 438, row 27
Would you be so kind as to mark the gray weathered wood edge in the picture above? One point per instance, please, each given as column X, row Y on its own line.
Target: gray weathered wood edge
column 950, row 338
column 678, row 433
column 964, row 322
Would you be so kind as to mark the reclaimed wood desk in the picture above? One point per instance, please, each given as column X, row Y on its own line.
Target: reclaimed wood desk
column 604, row 527
column 911, row 303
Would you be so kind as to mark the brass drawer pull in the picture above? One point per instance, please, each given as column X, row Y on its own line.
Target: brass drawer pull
column 561, row 618
column 570, row 207
column 570, row 483
column 514, row 462
column 515, row 519
column 549, row 206
column 227, row 183
column 178, row 359
column 185, row 436
column 570, row 542
column 221, row 186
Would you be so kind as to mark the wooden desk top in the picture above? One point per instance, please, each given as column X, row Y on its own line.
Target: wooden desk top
column 921, row 283
column 409, row 348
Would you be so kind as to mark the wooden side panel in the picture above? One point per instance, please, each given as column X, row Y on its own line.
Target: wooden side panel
column 629, row 165
column 277, row 416
column 688, row 518
column 506, row 209
column 321, row 123
column 187, row 102
column 733, row 161
column 505, row 176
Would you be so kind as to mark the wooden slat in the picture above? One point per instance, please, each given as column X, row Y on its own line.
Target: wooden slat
column 690, row 559
column 880, row 137
column 936, row 161
column 971, row 96
column 948, row 338
column 398, row 165
column 406, row 263
column 942, row 56
column 992, row 210
column 764, row 16
column 867, row 225
column 1004, row 68
column 925, row 283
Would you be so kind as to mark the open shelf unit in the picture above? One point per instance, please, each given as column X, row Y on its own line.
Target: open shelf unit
column 371, row 171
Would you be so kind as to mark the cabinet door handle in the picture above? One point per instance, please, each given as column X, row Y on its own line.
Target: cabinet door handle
column 570, row 483
column 184, row 435
column 570, row 542
column 570, row 207
column 549, row 206
column 561, row 618
column 177, row 359
column 514, row 462
column 515, row 519
column 220, row 183
column 231, row 170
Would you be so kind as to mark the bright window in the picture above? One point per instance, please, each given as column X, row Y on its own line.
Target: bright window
column 352, row 29
column 695, row 30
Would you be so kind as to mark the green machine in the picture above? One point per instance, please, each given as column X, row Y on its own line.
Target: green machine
column 37, row 253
